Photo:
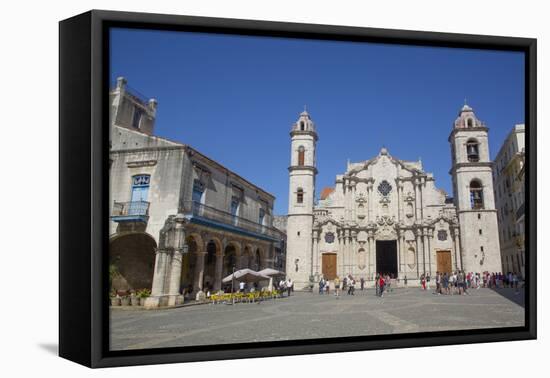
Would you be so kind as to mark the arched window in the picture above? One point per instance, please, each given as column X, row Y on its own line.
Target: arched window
column 300, row 195
column 472, row 150
column 476, row 194
column 302, row 126
column 470, row 122
column 301, row 154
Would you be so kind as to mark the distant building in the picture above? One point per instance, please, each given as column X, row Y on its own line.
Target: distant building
column 385, row 215
column 509, row 184
column 180, row 221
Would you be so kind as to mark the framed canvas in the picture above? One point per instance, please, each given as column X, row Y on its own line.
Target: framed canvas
column 284, row 189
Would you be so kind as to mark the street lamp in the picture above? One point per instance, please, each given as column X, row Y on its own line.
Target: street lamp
column 232, row 285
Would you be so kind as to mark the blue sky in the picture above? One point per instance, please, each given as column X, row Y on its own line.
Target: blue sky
column 234, row 98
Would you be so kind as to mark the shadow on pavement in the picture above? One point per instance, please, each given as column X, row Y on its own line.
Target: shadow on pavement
column 50, row 347
column 510, row 294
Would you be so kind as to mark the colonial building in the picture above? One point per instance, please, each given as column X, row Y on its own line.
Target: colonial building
column 387, row 215
column 180, row 221
column 509, row 184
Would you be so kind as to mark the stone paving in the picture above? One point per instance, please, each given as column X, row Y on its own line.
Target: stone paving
column 310, row 316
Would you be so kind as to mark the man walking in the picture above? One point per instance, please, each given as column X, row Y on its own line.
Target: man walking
column 289, row 284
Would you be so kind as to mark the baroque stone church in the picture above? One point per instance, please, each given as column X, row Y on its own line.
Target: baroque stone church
column 387, row 215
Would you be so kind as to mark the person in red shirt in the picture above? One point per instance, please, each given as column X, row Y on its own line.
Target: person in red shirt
column 381, row 284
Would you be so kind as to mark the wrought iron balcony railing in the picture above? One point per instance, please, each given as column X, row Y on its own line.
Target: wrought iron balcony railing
column 197, row 209
column 130, row 210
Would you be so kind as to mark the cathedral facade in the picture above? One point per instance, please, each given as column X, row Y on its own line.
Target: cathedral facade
column 386, row 215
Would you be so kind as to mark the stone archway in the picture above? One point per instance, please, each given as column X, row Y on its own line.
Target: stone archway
column 189, row 260
column 257, row 262
column 212, row 252
column 246, row 258
column 230, row 259
column 132, row 261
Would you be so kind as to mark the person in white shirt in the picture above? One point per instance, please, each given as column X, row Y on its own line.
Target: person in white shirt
column 241, row 286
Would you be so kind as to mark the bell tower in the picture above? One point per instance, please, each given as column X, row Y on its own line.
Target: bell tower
column 302, row 172
column 472, row 176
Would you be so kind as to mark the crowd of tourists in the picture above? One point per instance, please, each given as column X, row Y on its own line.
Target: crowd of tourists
column 460, row 282
column 347, row 284
column 454, row 283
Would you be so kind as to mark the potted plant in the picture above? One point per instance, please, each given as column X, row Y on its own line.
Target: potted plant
column 134, row 299
column 142, row 295
column 115, row 299
column 125, row 300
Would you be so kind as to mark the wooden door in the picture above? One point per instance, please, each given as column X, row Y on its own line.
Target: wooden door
column 329, row 266
column 444, row 261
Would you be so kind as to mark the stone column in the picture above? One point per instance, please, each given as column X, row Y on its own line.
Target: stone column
column 423, row 239
column 353, row 196
column 416, row 199
column 399, row 185
column 347, row 199
column 420, row 186
column 319, row 261
column 417, row 252
column 458, row 252
column 430, row 236
column 315, row 257
column 372, row 253
column 352, row 257
column 218, row 272
column 370, row 199
column 340, row 236
column 398, row 254
column 162, row 261
column 174, row 295
column 199, row 271
column 403, row 253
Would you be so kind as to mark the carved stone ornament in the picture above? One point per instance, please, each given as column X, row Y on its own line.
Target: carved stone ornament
column 361, row 198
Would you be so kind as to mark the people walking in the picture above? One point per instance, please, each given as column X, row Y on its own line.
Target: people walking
column 362, row 283
column 351, row 289
column 336, row 287
column 381, row 285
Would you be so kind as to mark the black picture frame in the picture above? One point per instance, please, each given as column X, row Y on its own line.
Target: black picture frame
column 83, row 197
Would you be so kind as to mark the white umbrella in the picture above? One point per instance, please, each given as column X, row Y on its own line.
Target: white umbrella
column 245, row 275
column 271, row 272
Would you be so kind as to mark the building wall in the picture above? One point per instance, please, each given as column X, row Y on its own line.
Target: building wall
column 509, row 191
column 165, row 166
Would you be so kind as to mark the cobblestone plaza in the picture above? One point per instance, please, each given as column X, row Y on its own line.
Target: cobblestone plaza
column 311, row 316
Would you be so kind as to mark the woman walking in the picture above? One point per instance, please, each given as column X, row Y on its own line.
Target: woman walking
column 381, row 284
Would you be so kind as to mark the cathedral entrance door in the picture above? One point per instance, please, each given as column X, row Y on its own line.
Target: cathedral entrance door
column 386, row 257
column 444, row 261
column 329, row 266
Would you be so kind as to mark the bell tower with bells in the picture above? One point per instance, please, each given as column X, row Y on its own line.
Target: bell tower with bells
column 472, row 176
column 302, row 172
